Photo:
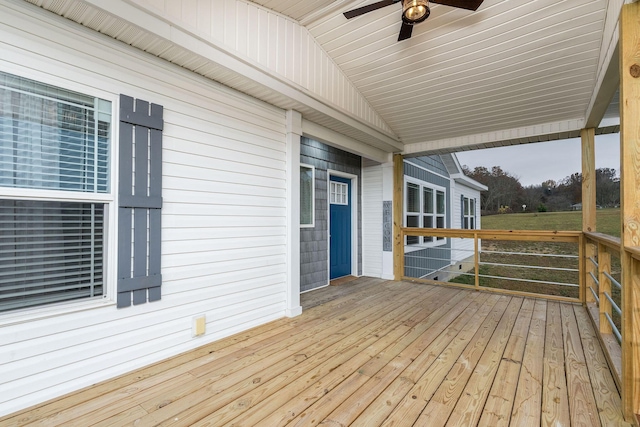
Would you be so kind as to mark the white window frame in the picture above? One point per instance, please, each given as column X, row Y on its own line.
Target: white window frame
column 341, row 195
column 108, row 199
column 470, row 215
column 312, row 224
column 424, row 241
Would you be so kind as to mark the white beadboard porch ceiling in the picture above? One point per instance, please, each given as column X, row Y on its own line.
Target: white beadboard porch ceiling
column 513, row 72
column 512, row 63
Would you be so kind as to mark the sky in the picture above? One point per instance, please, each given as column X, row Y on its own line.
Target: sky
column 535, row 163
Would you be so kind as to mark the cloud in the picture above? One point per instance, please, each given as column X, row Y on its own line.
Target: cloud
column 537, row 162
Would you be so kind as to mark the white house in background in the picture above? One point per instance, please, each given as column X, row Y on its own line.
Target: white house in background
column 174, row 172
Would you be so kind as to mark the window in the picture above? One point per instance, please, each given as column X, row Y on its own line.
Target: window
column 54, row 193
column 339, row 194
column 425, row 207
column 307, row 196
column 468, row 213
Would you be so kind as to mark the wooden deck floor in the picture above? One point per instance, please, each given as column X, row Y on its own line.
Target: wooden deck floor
column 372, row 353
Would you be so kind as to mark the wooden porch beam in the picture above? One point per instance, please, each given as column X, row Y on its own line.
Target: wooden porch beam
column 588, row 180
column 398, row 203
column 588, row 137
column 630, row 205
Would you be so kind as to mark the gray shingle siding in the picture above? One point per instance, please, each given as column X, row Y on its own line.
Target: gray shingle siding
column 432, row 163
column 314, row 263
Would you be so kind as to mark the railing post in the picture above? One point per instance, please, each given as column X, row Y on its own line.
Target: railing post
column 587, row 137
column 398, row 203
column 630, row 205
column 476, row 260
column 604, row 266
column 590, row 253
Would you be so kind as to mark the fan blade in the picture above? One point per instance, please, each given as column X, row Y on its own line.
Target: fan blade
column 462, row 4
column 405, row 32
column 368, row 8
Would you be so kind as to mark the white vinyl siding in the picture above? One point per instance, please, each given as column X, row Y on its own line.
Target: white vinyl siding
column 463, row 248
column 372, row 226
column 279, row 44
column 224, row 216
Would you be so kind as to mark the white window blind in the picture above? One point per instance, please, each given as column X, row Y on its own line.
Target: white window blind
column 51, row 139
column 49, row 252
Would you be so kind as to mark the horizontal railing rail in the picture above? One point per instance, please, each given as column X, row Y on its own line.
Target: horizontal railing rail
column 604, row 300
column 509, row 261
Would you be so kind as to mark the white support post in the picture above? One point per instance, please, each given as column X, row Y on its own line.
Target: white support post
column 294, row 132
column 387, row 195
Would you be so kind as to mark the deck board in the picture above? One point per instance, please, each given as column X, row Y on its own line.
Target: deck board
column 555, row 400
column 527, row 402
column 371, row 353
column 497, row 409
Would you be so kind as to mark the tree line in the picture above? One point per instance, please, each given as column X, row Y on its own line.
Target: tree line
column 506, row 194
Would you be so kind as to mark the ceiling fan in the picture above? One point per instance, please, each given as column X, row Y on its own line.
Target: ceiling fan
column 413, row 11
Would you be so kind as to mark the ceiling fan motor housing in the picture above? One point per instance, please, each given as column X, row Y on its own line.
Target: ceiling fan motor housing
column 415, row 11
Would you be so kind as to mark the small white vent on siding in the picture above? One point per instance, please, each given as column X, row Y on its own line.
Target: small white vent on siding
column 95, row 19
column 114, row 27
column 173, row 54
column 56, row 6
column 77, row 12
column 130, row 35
column 156, row 47
column 195, row 63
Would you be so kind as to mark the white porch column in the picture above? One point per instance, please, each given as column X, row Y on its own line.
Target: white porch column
column 387, row 197
column 294, row 132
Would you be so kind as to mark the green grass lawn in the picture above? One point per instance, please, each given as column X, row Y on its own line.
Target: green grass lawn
column 608, row 221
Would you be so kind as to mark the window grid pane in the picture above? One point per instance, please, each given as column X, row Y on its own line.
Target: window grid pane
column 440, row 202
column 428, row 200
column 339, row 193
column 413, row 198
column 52, row 138
column 428, row 223
column 413, row 221
column 306, row 195
column 49, row 252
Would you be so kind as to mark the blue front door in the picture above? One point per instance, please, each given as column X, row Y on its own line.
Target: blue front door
column 339, row 227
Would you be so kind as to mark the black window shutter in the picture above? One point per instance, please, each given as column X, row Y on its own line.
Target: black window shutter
column 139, row 202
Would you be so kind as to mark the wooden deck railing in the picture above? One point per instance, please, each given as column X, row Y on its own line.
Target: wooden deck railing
column 579, row 267
column 528, row 263
column 604, row 293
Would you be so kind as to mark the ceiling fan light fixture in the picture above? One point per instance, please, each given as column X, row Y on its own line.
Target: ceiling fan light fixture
column 415, row 11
